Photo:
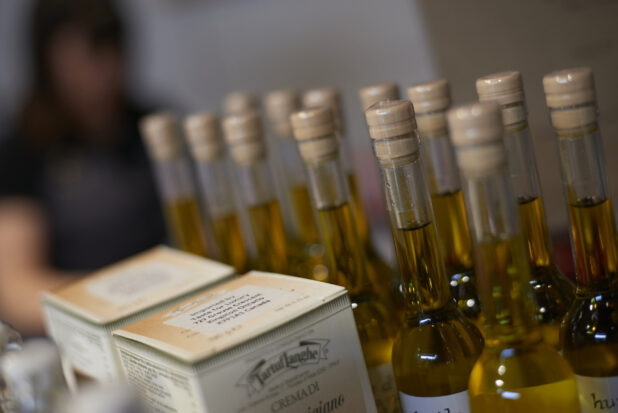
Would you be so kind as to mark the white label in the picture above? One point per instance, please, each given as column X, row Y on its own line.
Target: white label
column 136, row 282
column 231, row 309
column 384, row 388
column 598, row 393
column 453, row 403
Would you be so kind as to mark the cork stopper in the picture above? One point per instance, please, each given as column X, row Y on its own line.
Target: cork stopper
column 325, row 97
column 161, row 134
column 203, row 134
column 315, row 132
column 476, row 131
column 571, row 94
column 506, row 89
column 280, row 104
column 430, row 100
column 239, row 102
column 371, row 95
column 245, row 137
column 388, row 120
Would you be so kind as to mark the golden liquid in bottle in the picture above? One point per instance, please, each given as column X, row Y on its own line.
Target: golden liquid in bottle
column 362, row 227
column 517, row 370
column 267, row 227
column 301, row 204
column 373, row 319
column 186, row 225
column 553, row 292
column 231, row 242
column 436, row 348
column 454, row 236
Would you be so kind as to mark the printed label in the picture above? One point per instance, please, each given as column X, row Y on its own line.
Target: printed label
column 453, row 403
column 137, row 282
column 384, row 388
column 231, row 309
column 598, row 393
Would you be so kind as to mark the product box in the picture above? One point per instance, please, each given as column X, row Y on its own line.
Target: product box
column 259, row 343
column 81, row 316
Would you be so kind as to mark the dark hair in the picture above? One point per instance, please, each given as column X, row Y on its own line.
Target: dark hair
column 98, row 20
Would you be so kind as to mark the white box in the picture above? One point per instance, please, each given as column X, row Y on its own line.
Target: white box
column 258, row 343
column 81, row 316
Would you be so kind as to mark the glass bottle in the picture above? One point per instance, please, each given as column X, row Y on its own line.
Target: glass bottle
column 161, row 134
column 431, row 100
column 381, row 274
column 554, row 293
column 34, row 377
column 203, row 134
column 245, row 139
column 315, row 132
column 280, row 104
column 517, row 371
column 589, row 332
column 437, row 345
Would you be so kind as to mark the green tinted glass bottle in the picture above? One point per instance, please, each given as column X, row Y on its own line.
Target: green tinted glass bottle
column 553, row 292
column 589, row 332
column 437, row 345
column 517, row 371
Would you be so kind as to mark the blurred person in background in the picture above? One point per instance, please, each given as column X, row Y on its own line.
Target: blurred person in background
column 76, row 189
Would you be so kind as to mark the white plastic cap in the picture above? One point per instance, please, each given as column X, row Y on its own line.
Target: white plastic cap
column 161, row 134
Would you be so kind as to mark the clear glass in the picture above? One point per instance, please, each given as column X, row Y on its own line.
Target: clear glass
column 517, row 370
column 375, row 318
column 589, row 333
column 450, row 217
column 436, row 346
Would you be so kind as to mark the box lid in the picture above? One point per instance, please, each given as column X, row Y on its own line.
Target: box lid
column 137, row 284
column 229, row 314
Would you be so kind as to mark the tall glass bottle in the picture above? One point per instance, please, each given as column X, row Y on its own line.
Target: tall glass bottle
column 161, row 134
column 245, row 139
column 436, row 346
column 431, row 100
column 203, row 134
column 280, row 104
column 315, row 132
column 34, row 377
column 380, row 272
column 589, row 332
column 553, row 292
column 517, row 371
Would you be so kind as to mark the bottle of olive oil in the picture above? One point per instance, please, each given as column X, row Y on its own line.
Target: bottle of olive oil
column 554, row 293
column 437, row 345
column 380, row 273
column 589, row 332
column 280, row 104
column 517, row 371
column 315, row 132
column 161, row 134
column 431, row 100
column 245, row 139
column 203, row 134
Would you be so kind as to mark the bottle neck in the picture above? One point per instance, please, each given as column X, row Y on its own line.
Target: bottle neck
column 500, row 262
column 174, row 179
column 215, row 184
column 416, row 245
column 255, row 183
column 330, row 196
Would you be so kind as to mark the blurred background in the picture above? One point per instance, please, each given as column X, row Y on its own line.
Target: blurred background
column 186, row 55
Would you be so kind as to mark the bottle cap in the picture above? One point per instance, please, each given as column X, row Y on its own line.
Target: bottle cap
column 571, row 91
column 325, row 97
column 161, row 134
column 373, row 94
column 430, row 100
column 245, row 137
column 280, row 104
column 392, row 119
column 106, row 398
column 506, row 89
column 37, row 358
column 239, row 102
column 203, row 133
column 315, row 129
column 476, row 131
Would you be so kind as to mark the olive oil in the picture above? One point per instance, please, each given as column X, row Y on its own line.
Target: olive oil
column 301, row 203
column 267, row 227
column 185, row 225
column 228, row 234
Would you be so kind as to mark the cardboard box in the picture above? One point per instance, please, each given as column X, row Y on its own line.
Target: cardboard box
column 259, row 343
column 81, row 316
